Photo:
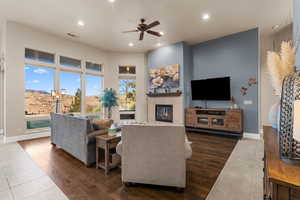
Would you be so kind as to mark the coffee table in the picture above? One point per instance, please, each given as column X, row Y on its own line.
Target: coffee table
column 107, row 143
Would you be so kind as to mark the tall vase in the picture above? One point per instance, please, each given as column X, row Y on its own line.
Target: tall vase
column 274, row 115
column 288, row 146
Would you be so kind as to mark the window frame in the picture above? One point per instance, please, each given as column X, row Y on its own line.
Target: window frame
column 58, row 68
column 85, row 84
column 127, row 77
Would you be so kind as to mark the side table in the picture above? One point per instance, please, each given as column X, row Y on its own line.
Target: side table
column 107, row 143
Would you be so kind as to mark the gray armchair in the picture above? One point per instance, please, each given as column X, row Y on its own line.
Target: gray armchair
column 75, row 135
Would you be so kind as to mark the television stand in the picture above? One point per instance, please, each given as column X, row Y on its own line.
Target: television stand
column 218, row 121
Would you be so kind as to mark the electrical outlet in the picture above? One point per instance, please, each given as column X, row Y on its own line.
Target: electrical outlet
column 248, row 102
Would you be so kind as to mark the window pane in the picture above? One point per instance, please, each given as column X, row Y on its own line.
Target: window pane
column 93, row 66
column 38, row 85
column 126, row 69
column 93, row 91
column 71, row 92
column 127, row 94
column 69, row 62
column 39, row 56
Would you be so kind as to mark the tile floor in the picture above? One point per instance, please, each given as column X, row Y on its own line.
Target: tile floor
column 21, row 179
column 242, row 175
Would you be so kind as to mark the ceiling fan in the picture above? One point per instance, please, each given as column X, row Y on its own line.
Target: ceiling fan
column 142, row 28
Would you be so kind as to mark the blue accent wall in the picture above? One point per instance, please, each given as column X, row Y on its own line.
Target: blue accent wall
column 235, row 56
column 297, row 28
column 168, row 55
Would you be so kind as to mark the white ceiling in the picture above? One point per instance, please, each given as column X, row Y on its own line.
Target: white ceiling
column 180, row 19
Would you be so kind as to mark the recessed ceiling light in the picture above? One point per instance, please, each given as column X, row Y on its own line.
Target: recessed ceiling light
column 80, row 23
column 159, row 44
column 131, row 44
column 161, row 33
column 111, row 1
column 205, row 16
column 275, row 27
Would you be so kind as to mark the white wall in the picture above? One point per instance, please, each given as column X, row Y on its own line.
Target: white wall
column 20, row 37
column 112, row 80
column 1, row 84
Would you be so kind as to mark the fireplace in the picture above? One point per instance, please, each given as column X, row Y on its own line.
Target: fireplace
column 164, row 113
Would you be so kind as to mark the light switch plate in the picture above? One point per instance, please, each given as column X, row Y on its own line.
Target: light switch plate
column 248, row 102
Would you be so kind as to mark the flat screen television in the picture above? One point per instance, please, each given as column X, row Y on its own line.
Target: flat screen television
column 211, row 89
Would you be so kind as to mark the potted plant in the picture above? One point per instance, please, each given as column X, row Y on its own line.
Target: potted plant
column 109, row 100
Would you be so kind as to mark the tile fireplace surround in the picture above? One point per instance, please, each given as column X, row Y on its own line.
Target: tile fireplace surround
column 176, row 102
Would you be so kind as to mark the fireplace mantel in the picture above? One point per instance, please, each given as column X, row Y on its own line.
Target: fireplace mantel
column 175, row 101
column 171, row 94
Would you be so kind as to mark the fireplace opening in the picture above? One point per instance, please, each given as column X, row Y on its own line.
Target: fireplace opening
column 164, row 113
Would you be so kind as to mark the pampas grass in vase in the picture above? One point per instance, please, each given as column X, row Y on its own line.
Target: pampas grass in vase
column 280, row 65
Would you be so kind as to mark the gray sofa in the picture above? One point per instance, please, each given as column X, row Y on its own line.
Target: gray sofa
column 75, row 135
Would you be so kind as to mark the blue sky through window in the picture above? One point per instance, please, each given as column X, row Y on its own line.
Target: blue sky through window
column 69, row 82
column 41, row 79
column 93, row 85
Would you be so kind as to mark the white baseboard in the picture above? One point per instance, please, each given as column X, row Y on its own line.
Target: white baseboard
column 255, row 136
column 26, row 137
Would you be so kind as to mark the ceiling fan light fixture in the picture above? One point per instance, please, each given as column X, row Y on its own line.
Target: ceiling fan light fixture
column 159, row 44
column 161, row 33
column 131, row 44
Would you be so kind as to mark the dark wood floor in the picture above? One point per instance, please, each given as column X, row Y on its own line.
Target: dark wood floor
column 80, row 183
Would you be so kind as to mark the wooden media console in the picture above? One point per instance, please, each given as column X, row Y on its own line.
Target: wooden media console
column 220, row 121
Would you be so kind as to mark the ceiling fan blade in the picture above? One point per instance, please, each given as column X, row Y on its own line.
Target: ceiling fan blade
column 142, row 35
column 153, row 24
column 131, row 31
column 154, row 33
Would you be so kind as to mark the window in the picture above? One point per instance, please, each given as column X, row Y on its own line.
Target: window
column 93, row 67
column 39, row 82
column 39, row 56
column 70, row 86
column 127, row 94
column 66, row 75
column 69, row 62
column 126, row 69
column 93, row 92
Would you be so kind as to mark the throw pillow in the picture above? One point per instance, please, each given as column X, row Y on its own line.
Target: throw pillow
column 99, row 124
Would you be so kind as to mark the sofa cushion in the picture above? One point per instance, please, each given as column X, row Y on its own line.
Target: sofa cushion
column 99, row 124
column 91, row 137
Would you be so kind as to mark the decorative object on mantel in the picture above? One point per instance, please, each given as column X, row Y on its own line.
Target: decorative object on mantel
column 171, row 94
column 164, row 79
column 251, row 82
column 280, row 65
column 109, row 100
